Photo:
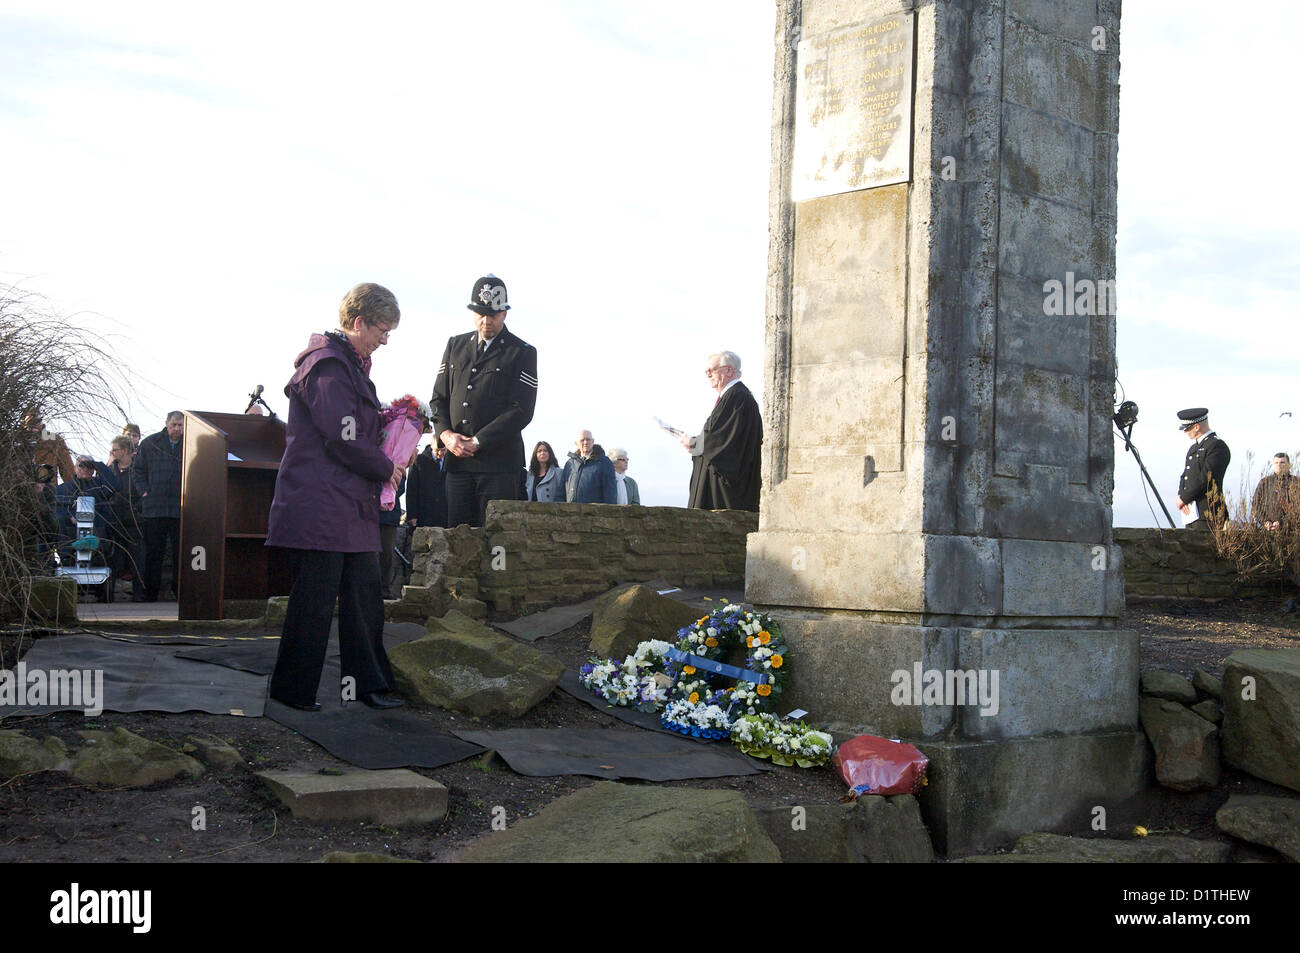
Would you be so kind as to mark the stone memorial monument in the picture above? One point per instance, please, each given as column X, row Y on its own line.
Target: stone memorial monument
column 935, row 525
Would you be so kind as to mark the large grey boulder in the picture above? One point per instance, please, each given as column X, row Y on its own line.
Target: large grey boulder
column 395, row 797
column 1168, row 685
column 1261, row 731
column 619, row 823
column 1207, row 685
column 21, row 754
column 1210, row 710
column 623, row 619
column 1271, row 821
column 118, row 758
column 465, row 666
column 871, row 830
column 1186, row 745
column 1059, row 849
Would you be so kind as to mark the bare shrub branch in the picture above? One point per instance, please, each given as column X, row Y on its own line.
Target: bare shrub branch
column 68, row 373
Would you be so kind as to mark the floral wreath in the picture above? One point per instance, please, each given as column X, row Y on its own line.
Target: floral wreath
column 788, row 743
column 695, row 659
column 676, row 680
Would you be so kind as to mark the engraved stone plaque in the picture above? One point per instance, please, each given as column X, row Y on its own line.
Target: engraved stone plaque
column 853, row 108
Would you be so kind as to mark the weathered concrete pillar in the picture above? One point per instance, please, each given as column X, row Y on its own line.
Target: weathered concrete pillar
column 938, row 471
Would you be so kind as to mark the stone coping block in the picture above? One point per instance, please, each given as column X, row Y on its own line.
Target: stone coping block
column 396, row 797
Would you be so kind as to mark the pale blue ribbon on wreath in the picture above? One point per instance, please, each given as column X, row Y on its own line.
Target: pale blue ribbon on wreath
column 717, row 668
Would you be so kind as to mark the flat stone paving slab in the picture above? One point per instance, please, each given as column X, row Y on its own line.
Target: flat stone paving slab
column 396, row 797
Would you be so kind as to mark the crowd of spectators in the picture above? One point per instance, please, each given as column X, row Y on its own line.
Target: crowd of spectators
column 137, row 497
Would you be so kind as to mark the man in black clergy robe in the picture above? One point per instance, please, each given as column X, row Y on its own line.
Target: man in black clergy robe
column 725, row 472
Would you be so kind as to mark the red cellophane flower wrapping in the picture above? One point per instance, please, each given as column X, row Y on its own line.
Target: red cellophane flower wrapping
column 405, row 421
column 871, row 765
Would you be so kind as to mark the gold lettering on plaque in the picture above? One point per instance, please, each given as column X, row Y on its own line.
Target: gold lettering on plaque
column 853, row 108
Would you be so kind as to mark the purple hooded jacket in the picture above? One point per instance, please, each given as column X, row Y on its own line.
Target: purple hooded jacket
column 327, row 490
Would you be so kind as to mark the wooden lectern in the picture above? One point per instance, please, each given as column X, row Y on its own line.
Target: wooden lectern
column 227, row 482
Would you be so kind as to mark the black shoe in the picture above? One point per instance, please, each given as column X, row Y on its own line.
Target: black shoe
column 381, row 700
column 314, row 706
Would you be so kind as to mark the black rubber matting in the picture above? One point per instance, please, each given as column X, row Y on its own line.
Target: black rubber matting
column 373, row 738
column 144, row 677
column 611, row 753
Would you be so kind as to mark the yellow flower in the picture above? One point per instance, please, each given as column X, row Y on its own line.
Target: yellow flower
column 688, row 669
column 749, row 640
column 1140, row 831
column 765, row 637
column 777, row 661
column 695, row 697
column 764, row 690
column 711, row 642
column 702, row 621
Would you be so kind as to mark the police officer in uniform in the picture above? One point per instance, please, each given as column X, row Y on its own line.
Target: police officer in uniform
column 483, row 398
column 1207, row 462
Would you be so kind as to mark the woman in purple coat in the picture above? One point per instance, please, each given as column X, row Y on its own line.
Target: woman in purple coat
column 326, row 507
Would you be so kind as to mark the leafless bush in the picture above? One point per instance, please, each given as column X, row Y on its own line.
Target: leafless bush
column 49, row 362
column 1260, row 554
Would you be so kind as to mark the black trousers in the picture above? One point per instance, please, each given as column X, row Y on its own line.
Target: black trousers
column 469, row 493
column 319, row 580
column 162, row 534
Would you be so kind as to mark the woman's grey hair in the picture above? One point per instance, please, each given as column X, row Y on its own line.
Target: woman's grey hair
column 374, row 304
column 616, row 453
column 729, row 359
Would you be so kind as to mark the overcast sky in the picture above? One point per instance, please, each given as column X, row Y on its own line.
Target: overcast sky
column 204, row 184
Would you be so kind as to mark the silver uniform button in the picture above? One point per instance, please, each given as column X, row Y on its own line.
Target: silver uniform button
column 469, row 386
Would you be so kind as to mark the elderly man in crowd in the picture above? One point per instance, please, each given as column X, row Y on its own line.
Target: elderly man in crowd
column 726, row 472
column 588, row 477
column 158, row 472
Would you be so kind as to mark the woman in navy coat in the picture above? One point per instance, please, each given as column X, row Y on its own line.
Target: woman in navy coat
column 326, row 507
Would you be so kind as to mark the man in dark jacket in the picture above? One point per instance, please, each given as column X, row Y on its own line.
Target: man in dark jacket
column 1207, row 463
column 725, row 465
column 89, row 479
column 1277, row 497
column 158, row 470
column 588, row 477
column 426, row 493
column 483, row 397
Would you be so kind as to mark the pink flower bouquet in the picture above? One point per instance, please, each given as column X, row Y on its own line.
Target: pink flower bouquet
column 405, row 420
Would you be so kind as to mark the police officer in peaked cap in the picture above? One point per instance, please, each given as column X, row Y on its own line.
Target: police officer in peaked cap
column 1207, row 462
column 483, row 398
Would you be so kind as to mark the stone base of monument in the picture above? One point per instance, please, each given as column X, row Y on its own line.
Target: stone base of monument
column 984, row 795
column 1026, row 729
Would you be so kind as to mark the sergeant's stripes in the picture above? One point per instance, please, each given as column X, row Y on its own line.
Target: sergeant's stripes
column 528, row 379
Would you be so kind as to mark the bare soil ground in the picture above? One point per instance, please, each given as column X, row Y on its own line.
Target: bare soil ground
column 49, row 817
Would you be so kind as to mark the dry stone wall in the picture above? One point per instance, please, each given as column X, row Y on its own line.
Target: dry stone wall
column 531, row 555
column 1179, row 564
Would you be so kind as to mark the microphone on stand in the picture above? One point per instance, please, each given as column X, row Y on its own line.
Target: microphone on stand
column 256, row 398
